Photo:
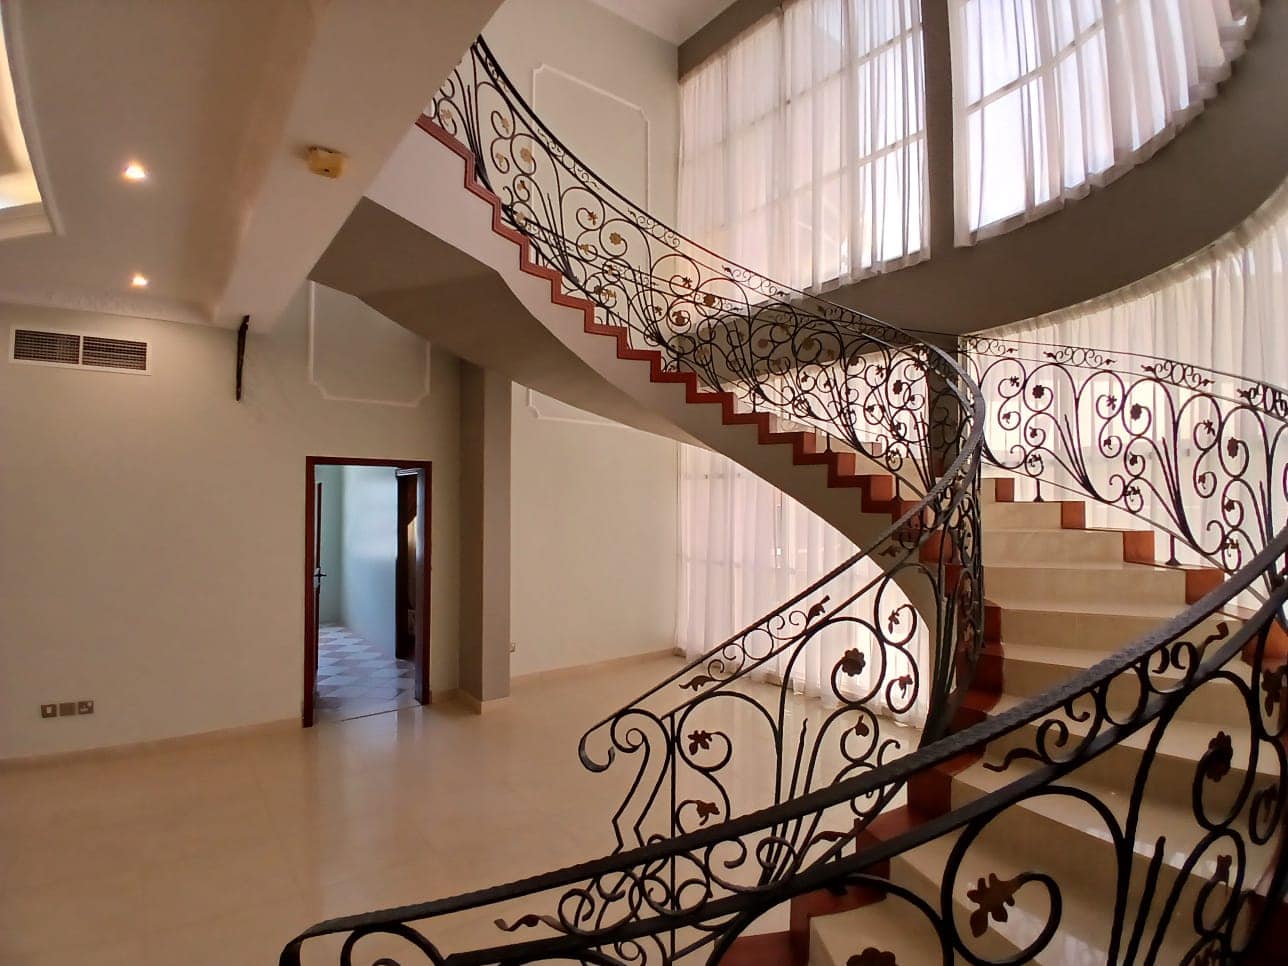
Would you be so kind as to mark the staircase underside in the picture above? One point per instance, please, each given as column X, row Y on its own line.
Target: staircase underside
column 437, row 291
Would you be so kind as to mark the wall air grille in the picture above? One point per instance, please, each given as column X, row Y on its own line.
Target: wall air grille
column 32, row 346
column 69, row 349
column 114, row 353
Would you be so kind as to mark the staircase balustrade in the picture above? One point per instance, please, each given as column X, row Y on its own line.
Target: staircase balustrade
column 703, row 851
column 1201, row 455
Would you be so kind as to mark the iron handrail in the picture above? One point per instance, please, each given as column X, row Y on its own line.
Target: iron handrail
column 832, row 867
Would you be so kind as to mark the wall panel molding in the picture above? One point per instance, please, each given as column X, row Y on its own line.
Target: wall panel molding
column 549, row 70
column 418, row 388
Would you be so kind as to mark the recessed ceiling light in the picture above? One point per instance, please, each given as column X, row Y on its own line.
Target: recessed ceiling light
column 134, row 172
column 139, row 281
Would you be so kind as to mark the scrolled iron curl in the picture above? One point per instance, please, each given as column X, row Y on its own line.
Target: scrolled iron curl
column 1139, row 421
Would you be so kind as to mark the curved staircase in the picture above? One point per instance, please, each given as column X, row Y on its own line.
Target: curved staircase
column 1062, row 598
column 1102, row 777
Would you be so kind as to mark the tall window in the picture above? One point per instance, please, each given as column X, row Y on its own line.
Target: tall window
column 1054, row 97
column 802, row 151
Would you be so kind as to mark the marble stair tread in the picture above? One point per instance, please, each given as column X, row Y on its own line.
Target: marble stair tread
column 1061, row 815
column 1117, row 566
column 1044, row 667
column 1184, row 740
column 1082, row 936
column 1022, row 547
column 1157, row 610
column 1021, row 516
column 892, row 925
column 1105, row 586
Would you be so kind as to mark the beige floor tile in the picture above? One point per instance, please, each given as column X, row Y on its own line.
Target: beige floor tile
column 225, row 882
column 220, row 852
column 42, row 921
column 250, row 937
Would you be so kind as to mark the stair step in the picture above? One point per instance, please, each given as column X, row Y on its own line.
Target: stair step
column 1105, row 585
column 1082, row 938
column 892, row 925
column 1032, row 669
column 1020, row 516
column 1086, row 887
column 766, row 949
column 1070, row 546
column 1076, row 837
column 1088, row 625
column 1174, row 765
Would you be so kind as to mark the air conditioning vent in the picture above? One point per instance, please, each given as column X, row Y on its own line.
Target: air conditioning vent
column 73, row 350
column 32, row 346
column 114, row 353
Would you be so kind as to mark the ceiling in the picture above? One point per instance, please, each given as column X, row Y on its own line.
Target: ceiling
column 220, row 101
column 672, row 20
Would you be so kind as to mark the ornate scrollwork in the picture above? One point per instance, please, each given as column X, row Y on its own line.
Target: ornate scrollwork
column 1193, row 895
column 699, row 859
column 1202, row 455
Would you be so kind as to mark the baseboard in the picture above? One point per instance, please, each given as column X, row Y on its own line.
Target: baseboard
column 477, row 706
column 155, row 745
column 607, row 663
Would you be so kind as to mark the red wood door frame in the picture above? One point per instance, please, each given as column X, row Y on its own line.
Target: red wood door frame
column 423, row 569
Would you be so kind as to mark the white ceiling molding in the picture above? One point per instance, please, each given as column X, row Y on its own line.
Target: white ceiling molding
column 674, row 21
column 22, row 220
column 546, row 409
column 316, row 382
column 41, row 217
column 99, row 302
column 544, row 68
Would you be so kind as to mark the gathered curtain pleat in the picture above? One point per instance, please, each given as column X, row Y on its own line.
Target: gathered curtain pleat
column 802, row 144
column 746, row 547
column 1055, row 97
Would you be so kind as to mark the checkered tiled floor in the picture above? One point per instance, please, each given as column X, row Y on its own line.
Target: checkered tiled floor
column 357, row 678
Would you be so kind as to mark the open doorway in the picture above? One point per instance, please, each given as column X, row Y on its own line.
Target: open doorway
column 367, row 587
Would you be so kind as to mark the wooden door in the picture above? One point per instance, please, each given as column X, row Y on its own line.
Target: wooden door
column 405, row 565
column 313, row 606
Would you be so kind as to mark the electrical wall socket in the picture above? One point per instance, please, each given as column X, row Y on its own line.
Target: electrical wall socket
column 66, row 709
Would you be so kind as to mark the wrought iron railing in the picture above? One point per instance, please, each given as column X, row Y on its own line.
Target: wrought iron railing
column 695, row 864
column 1202, row 455
column 896, row 408
column 1203, row 889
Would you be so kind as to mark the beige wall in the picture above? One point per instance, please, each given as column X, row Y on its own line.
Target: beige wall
column 152, row 529
column 595, row 548
column 594, row 74
column 485, row 534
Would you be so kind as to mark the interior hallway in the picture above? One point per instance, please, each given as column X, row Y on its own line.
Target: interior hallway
column 357, row 678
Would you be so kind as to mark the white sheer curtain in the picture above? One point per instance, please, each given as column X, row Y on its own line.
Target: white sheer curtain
column 802, row 145
column 1055, row 97
column 1225, row 308
column 746, row 548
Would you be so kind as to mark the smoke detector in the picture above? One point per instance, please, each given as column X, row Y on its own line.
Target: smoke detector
column 324, row 161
